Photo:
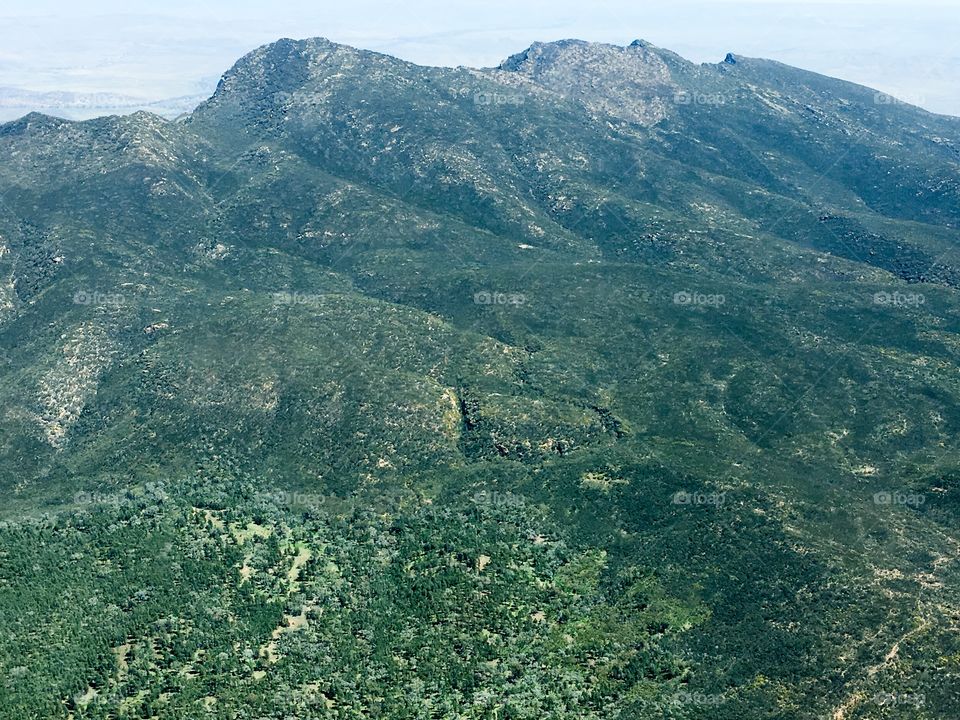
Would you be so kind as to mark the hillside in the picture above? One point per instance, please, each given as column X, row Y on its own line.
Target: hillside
column 599, row 384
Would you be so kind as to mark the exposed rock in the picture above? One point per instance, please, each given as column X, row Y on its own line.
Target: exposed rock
column 631, row 83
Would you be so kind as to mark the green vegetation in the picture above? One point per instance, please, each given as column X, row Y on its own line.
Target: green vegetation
column 373, row 390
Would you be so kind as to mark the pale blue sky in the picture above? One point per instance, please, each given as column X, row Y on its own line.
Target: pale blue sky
column 179, row 47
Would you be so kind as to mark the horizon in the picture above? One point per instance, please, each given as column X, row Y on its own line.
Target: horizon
column 154, row 56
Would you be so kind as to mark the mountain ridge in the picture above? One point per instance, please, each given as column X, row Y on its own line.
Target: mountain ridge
column 378, row 389
column 330, row 45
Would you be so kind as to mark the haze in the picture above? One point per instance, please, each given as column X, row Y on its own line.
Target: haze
column 153, row 52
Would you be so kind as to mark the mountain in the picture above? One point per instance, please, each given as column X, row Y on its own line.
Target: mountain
column 15, row 102
column 599, row 384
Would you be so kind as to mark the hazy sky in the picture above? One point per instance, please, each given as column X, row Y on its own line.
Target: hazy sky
column 179, row 47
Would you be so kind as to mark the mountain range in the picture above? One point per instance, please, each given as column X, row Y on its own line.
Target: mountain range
column 600, row 384
column 16, row 102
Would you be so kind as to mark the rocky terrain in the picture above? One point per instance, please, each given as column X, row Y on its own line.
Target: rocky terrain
column 599, row 384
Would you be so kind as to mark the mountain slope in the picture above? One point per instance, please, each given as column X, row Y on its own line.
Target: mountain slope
column 598, row 384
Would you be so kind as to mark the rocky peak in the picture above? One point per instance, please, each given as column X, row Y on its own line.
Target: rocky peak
column 283, row 64
column 632, row 83
column 32, row 122
column 264, row 81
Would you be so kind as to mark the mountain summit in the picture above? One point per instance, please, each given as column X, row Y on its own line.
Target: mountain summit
column 630, row 83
